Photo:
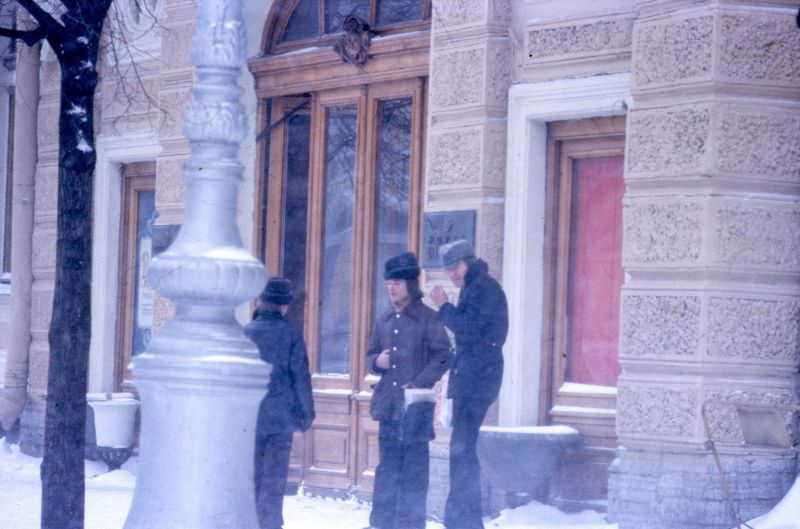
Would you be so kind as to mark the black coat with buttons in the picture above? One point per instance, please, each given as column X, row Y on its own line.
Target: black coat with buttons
column 419, row 353
column 289, row 404
column 480, row 325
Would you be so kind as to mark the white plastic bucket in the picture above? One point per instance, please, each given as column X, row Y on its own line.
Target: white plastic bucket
column 114, row 421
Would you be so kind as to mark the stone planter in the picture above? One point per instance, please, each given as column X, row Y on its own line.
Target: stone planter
column 520, row 461
column 114, row 426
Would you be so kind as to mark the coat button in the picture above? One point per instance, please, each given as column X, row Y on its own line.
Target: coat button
column 397, row 315
column 394, row 383
column 394, row 366
column 394, row 348
column 396, row 331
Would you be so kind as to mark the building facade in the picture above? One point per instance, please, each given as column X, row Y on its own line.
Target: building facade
column 630, row 170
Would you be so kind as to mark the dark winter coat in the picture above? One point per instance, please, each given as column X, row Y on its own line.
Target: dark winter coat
column 419, row 352
column 289, row 404
column 480, row 325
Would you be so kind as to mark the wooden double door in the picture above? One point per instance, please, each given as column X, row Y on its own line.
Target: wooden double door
column 341, row 193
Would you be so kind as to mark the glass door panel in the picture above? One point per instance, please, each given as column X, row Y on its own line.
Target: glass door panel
column 393, row 186
column 595, row 271
column 295, row 211
column 336, row 269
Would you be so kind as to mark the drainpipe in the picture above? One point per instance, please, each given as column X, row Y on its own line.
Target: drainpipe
column 26, row 104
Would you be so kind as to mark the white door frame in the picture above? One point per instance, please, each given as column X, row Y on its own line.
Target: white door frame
column 112, row 152
column 530, row 108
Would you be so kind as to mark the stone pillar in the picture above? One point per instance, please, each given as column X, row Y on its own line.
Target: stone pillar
column 26, row 104
column 201, row 379
column 470, row 73
column 711, row 301
column 43, row 256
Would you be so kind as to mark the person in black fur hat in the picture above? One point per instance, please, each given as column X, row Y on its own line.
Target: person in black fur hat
column 288, row 406
column 409, row 349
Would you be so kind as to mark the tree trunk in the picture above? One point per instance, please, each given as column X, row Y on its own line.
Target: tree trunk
column 63, row 467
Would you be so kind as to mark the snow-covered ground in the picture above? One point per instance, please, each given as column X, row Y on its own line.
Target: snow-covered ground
column 108, row 498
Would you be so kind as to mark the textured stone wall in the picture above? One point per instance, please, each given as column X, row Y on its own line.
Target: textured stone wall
column 471, row 67
column 711, row 301
column 470, row 73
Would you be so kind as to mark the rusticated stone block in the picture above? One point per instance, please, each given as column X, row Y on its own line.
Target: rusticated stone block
column 491, row 223
column 495, row 157
column 758, row 234
column 447, row 14
column 455, row 157
column 659, row 325
column 673, row 51
column 176, row 45
column 170, row 185
column 671, row 142
column 173, row 104
column 759, row 144
column 661, row 233
column 458, row 77
column 499, row 72
column 723, row 420
column 754, row 329
column 501, row 11
column 760, row 47
column 668, row 490
column 645, row 409
column 584, row 38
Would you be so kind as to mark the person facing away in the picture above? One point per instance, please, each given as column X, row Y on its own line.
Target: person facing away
column 288, row 405
column 410, row 349
column 480, row 324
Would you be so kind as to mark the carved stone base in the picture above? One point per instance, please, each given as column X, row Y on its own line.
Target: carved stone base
column 663, row 490
column 113, row 457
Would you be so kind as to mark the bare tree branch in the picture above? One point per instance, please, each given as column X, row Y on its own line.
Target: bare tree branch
column 52, row 26
column 29, row 37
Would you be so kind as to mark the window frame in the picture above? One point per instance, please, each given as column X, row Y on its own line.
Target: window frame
column 6, row 189
column 279, row 17
column 566, row 142
column 136, row 176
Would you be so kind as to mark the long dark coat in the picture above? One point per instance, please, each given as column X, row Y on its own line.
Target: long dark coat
column 289, row 404
column 480, row 325
column 419, row 353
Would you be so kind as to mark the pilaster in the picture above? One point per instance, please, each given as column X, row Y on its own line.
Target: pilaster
column 711, row 301
column 470, row 73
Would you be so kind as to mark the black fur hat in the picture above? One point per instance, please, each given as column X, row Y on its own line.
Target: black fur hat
column 278, row 291
column 403, row 266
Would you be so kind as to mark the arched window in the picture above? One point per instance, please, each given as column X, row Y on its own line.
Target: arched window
column 302, row 22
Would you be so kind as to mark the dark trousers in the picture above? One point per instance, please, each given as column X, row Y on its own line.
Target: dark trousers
column 401, row 484
column 271, row 471
column 463, row 508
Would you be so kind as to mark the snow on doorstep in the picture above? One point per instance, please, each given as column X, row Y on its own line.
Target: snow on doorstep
column 582, row 410
column 553, row 429
column 587, row 389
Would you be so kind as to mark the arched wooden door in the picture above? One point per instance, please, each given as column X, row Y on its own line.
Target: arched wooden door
column 340, row 158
